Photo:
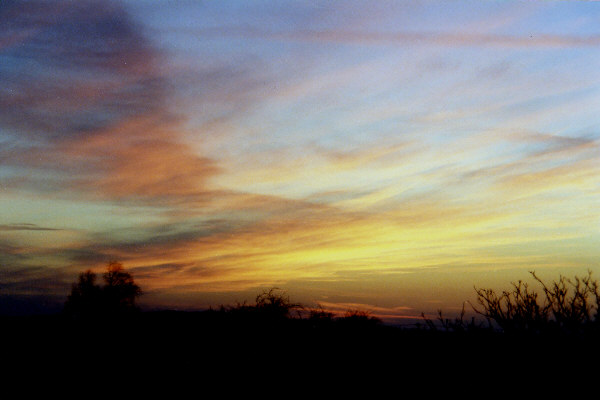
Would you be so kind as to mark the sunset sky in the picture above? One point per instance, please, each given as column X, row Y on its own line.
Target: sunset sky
column 386, row 156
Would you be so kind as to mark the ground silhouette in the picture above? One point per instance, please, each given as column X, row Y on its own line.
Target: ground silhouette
column 558, row 322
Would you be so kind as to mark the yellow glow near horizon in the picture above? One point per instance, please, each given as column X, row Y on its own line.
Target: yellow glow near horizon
column 390, row 156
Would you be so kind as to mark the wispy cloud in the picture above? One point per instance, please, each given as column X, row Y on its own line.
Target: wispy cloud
column 406, row 37
column 25, row 227
column 215, row 152
column 77, row 68
column 385, row 313
column 92, row 104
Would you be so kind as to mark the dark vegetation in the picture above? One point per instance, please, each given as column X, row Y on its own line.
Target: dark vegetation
column 565, row 308
column 560, row 315
column 89, row 300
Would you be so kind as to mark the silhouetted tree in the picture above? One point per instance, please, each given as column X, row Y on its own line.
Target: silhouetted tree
column 120, row 291
column 86, row 296
column 117, row 296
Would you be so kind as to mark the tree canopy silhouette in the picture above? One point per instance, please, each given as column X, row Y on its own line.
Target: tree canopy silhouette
column 116, row 297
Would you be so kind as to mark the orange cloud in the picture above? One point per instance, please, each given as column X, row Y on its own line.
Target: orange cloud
column 92, row 108
column 385, row 313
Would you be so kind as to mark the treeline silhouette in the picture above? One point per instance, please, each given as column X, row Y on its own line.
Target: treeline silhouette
column 515, row 320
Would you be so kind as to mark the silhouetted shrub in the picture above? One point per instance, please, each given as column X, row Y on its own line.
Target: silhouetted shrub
column 456, row 325
column 273, row 309
column 272, row 306
column 359, row 319
column 276, row 305
column 566, row 306
column 320, row 317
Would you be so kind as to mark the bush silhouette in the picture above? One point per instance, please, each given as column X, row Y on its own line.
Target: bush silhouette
column 276, row 305
column 273, row 309
column 457, row 324
column 320, row 318
column 271, row 305
column 359, row 319
column 566, row 306
column 116, row 297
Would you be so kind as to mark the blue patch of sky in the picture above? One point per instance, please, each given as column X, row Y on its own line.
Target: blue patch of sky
column 579, row 18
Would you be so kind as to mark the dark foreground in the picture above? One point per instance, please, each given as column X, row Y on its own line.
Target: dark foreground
column 177, row 355
column 212, row 337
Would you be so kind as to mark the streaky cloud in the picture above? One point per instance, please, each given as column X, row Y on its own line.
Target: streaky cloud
column 84, row 103
column 77, row 67
column 26, row 227
column 450, row 39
